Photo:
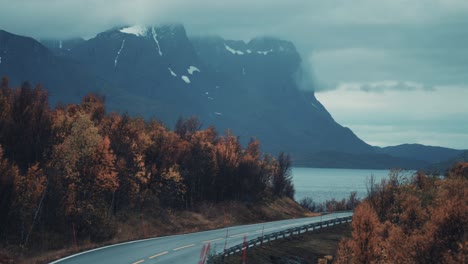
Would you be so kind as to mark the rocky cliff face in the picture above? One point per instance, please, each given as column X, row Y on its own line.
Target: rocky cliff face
column 258, row 94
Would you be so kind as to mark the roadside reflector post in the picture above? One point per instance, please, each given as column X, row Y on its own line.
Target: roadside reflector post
column 225, row 242
column 263, row 228
column 202, row 254
column 244, row 252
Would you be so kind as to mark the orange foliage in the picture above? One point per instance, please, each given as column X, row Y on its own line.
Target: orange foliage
column 87, row 166
column 427, row 224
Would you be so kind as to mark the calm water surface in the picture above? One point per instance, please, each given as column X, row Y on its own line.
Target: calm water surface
column 325, row 184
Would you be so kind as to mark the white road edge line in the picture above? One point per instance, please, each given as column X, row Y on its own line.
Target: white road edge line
column 211, row 240
column 160, row 254
column 337, row 214
column 179, row 248
column 239, row 235
column 114, row 245
column 266, row 229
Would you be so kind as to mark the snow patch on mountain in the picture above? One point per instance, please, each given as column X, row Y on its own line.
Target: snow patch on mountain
column 265, row 52
column 155, row 38
column 136, row 30
column 118, row 53
column 172, row 72
column 192, row 69
column 185, row 79
column 233, row 51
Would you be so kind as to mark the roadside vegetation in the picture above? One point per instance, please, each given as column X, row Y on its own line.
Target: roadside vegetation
column 421, row 219
column 75, row 175
column 332, row 205
column 404, row 219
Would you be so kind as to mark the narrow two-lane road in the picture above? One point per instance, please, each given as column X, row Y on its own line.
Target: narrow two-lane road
column 183, row 249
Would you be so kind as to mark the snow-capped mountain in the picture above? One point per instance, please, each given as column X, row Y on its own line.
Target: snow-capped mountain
column 156, row 66
column 250, row 88
column 157, row 71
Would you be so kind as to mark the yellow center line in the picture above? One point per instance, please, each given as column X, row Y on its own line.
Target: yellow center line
column 160, row 254
column 239, row 235
column 138, row 262
column 191, row 245
column 212, row 240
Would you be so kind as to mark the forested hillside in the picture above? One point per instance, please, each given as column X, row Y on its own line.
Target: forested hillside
column 77, row 165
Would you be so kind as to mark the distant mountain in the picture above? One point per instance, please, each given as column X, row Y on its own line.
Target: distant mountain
column 61, row 46
column 428, row 154
column 330, row 159
column 251, row 88
column 23, row 58
column 443, row 166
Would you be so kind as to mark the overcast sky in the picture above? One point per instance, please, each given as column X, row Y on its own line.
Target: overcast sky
column 394, row 71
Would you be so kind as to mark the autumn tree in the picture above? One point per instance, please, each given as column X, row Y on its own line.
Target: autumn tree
column 94, row 105
column 25, row 124
column 228, row 155
column 282, row 178
column 8, row 173
column 129, row 142
column 364, row 242
column 200, row 165
column 171, row 182
column 29, row 191
column 84, row 167
column 77, row 165
column 185, row 128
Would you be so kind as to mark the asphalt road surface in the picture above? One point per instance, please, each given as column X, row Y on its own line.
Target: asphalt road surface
column 187, row 248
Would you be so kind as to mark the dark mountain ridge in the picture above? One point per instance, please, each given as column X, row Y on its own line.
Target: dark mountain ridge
column 251, row 88
column 431, row 154
column 23, row 58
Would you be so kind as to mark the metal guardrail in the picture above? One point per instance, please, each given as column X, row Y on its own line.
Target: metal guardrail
column 278, row 235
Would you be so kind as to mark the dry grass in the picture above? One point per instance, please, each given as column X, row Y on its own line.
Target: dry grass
column 170, row 222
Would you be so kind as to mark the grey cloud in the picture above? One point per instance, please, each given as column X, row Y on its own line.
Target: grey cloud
column 363, row 41
column 381, row 87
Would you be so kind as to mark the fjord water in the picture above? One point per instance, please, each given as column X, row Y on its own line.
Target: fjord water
column 324, row 184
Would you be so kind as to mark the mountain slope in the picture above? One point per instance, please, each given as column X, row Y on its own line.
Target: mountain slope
column 251, row 88
column 429, row 154
column 257, row 91
column 156, row 67
column 23, row 58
